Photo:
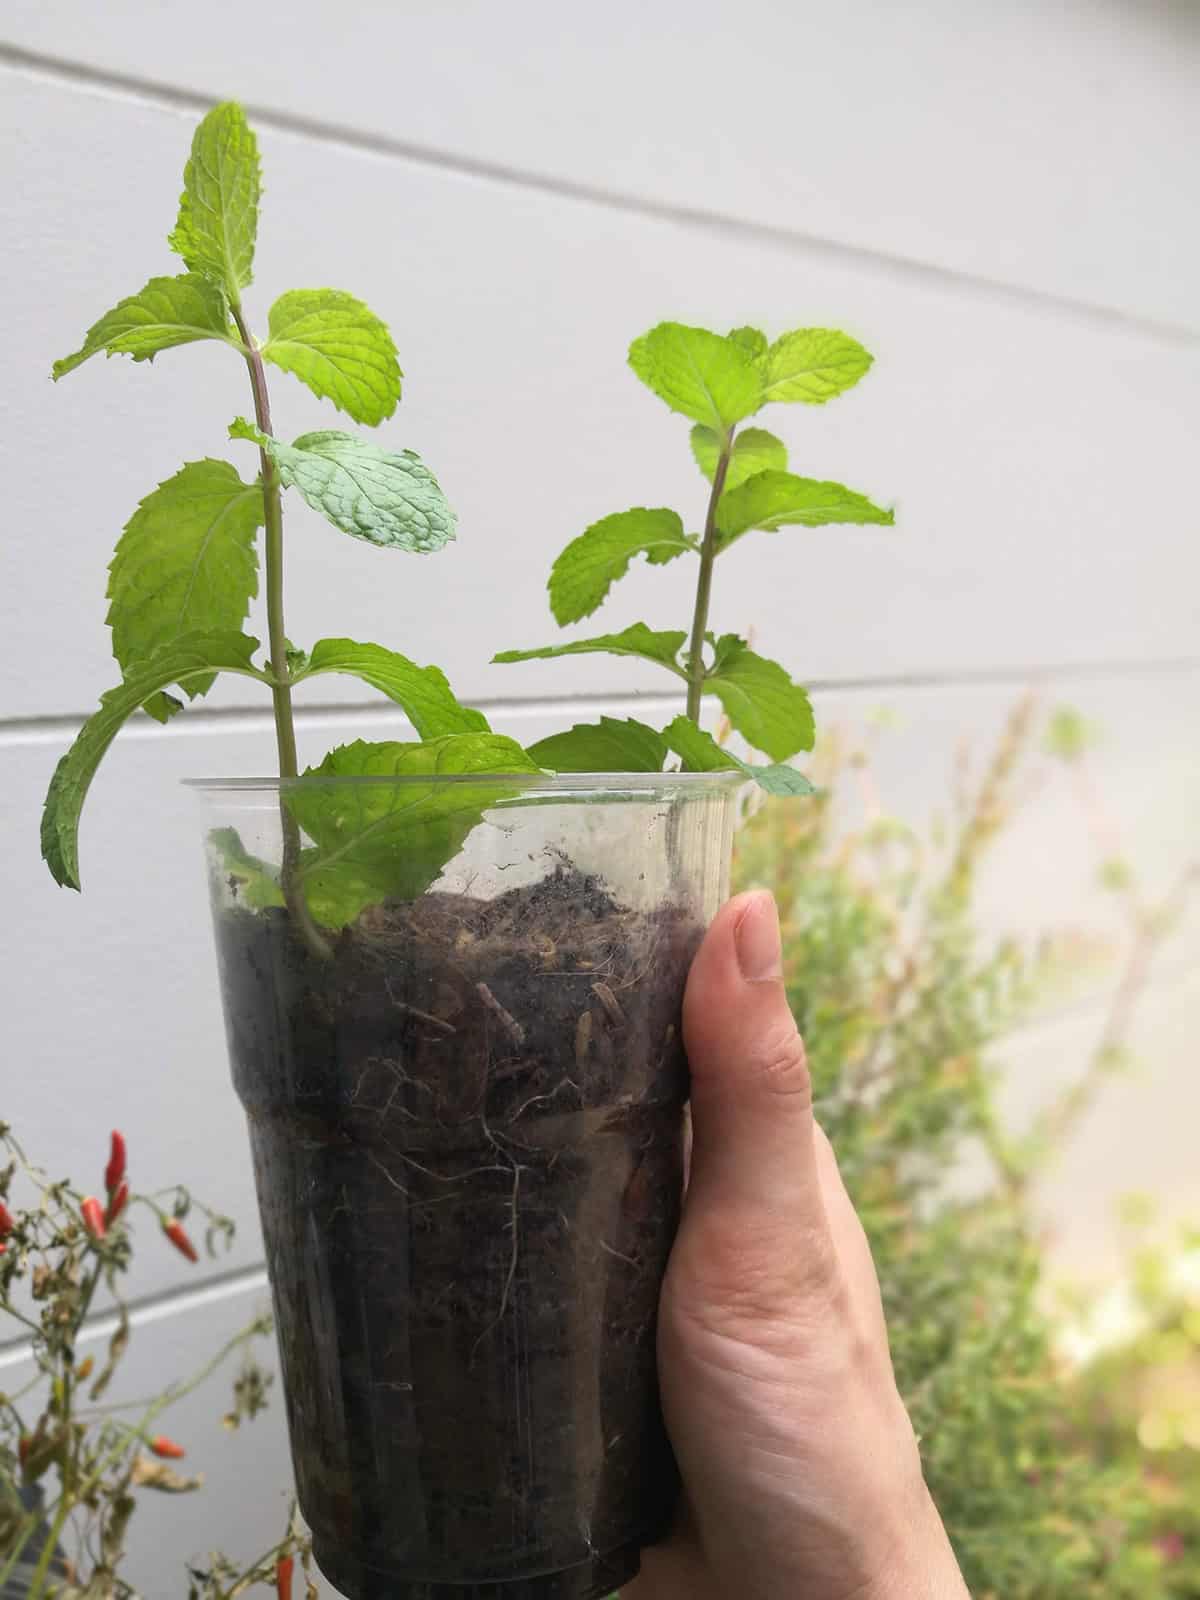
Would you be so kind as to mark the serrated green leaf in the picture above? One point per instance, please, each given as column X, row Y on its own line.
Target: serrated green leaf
column 638, row 640
column 218, row 209
column 591, row 564
column 339, row 348
column 185, row 563
column 770, row 711
column 813, row 365
column 610, row 745
column 388, row 499
column 422, row 693
column 379, row 841
column 752, row 340
column 700, row 752
column 252, row 882
column 708, row 378
column 166, row 312
column 771, row 500
column 754, row 451
column 196, row 655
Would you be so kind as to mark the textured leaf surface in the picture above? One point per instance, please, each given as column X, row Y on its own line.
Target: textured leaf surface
column 390, row 840
column 752, row 340
column 773, row 500
column 753, row 451
column 638, row 640
column 700, row 752
column 388, row 499
column 708, row 378
column 167, row 312
column 591, row 564
column 610, row 745
column 197, row 655
column 813, row 365
column 423, row 693
column 252, row 882
column 339, row 348
column 770, row 711
column 185, row 563
column 218, row 210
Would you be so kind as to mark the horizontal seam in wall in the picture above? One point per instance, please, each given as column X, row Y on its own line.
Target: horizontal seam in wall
column 150, row 91
column 50, row 726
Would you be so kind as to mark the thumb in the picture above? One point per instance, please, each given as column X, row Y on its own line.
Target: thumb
column 753, row 1142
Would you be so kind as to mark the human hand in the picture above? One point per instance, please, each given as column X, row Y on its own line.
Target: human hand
column 802, row 1478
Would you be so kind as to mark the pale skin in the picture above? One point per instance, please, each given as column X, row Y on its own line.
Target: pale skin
column 802, row 1477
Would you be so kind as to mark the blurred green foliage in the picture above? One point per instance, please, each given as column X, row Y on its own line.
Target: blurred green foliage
column 1049, row 1476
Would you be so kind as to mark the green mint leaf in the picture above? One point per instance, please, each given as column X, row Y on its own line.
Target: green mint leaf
column 185, row 563
column 339, row 348
column 813, row 365
column 752, row 340
column 379, row 841
column 610, row 745
column 388, row 499
column 773, row 500
column 422, row 693
column 753, row 451
column 638, row 640
column 218, row 210
column 591, row 564
column 253, row 883
column 196, row 655
column 700, row 752
column 698, row 373
column 770, row 711
column 167, row 312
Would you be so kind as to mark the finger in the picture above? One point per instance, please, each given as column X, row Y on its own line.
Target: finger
column 752, row 1124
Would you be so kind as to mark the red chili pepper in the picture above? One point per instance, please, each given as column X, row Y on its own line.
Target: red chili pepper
column 3, row 1249
column 115, row 1170
column 166, row 1448
column 24, row 1446
column 284, row 1569
column 92, row 1213
column 6, row 1221
column 117, row 1204
column 175, row 1232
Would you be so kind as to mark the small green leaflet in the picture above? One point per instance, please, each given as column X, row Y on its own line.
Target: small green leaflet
column 773, row 500
column 185, row 563
column 591, row 564
column 196, row 655
column 752, row 340
column 339, row 348
column 218, row 210
column 770, row 711
column 700, row 752
column 379, row 841
column 252, row 882
column 387, row 499
column 422, row 693
column 167, row 312
column 610, row 745
column 638, row 640
column 753, row 451
column 710, row 379
column 813, row 365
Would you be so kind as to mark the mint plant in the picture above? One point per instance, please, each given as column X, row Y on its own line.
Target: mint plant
column 718, row 382
column 187, row 564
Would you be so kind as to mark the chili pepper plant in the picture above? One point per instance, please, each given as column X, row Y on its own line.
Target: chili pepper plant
column 75, row 1464
column 453, row 968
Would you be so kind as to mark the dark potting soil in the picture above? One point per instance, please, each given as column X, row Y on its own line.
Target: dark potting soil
column 467, row 1141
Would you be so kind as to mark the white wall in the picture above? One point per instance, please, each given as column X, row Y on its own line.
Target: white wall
column 997, row 196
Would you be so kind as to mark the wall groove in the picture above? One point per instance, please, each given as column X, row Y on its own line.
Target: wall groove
column 65, row 72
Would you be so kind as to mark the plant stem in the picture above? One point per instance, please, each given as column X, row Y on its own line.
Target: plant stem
column 708, row 555
column 281, row 689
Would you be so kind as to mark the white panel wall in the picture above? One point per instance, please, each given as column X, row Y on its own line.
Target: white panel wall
column 996, row 197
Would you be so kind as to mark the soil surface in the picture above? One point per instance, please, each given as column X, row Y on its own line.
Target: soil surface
column 467, row 1141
